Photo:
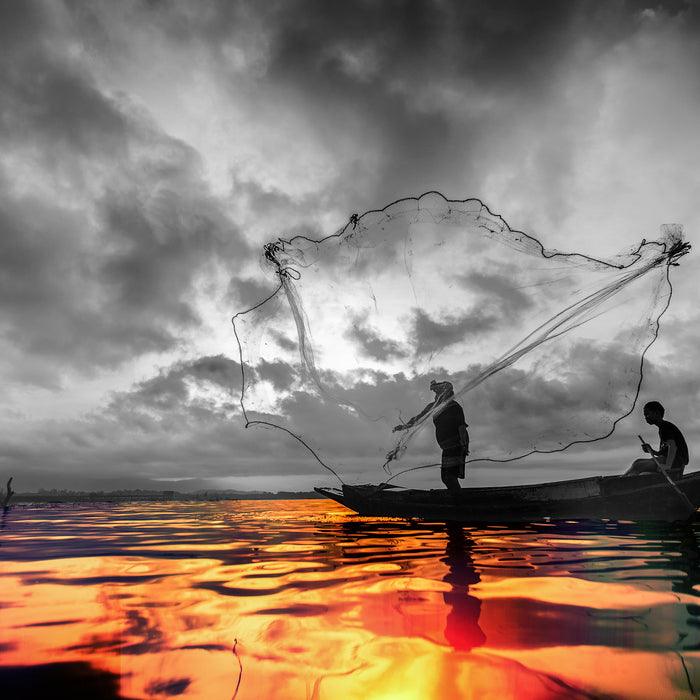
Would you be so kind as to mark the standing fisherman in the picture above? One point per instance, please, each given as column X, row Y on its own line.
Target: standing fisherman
column 450, row 432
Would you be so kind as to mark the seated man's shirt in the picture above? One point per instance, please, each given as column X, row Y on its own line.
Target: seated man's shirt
column 668, row 431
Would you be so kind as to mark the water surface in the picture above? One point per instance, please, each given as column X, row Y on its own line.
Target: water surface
column 301, row 599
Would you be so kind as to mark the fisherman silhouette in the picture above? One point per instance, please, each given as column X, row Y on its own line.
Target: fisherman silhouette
column 672, row 455
column 450, row 432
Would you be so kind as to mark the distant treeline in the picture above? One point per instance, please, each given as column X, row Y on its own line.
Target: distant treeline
column 124, row 495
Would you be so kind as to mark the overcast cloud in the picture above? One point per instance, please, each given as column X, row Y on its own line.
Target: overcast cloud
column 149, row 150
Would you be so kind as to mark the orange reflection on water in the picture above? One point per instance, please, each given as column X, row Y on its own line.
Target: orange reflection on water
column 565, row 589
column 322, row 605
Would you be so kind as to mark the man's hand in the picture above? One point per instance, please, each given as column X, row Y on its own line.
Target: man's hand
column 646, row 447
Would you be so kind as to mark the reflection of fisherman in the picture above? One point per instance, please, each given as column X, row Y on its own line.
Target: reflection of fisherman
column 462, row 630
column 450, row 432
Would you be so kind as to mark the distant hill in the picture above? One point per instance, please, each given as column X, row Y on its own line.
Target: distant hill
column 127, row 495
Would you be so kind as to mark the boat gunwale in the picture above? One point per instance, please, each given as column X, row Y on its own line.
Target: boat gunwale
column 431, row 504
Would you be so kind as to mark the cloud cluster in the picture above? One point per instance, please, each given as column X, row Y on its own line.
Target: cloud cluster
column 372, row 343
column 147, row 150
column 107, row 221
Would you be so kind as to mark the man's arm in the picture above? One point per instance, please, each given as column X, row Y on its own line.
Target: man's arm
column 464, row 438
column 664, row 457
column 412, row 421
column 671, row 450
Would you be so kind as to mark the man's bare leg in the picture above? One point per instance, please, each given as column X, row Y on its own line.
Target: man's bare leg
column 642, row 466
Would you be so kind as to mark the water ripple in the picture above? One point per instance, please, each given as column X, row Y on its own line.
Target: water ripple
column 302, row 599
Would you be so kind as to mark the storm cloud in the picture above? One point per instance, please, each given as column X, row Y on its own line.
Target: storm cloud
column 372, row 343
column 148, row 151
column 432, row 335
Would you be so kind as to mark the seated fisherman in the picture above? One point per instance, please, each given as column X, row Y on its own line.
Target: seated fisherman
column 450, row 433
column 672, row 455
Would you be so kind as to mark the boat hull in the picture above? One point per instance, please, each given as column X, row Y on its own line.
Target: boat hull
column 643, row 497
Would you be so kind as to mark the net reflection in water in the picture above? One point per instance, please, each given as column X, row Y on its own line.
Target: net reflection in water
column 299, row 599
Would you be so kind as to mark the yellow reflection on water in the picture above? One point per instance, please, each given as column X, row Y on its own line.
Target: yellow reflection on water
column 321, row 605
column 565, row 589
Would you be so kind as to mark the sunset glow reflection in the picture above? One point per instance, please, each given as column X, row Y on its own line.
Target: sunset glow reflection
column 319, row 604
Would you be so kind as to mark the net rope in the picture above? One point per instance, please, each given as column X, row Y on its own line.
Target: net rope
column 407, row 292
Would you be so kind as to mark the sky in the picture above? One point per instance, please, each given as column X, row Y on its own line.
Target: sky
column 148, row 150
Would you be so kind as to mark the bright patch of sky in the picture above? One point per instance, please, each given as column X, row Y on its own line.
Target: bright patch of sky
column 148, row 151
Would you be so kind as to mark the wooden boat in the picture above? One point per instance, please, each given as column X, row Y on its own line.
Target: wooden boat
column 642, row 497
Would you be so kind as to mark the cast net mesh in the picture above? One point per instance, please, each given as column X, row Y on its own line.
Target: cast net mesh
column 544, row 349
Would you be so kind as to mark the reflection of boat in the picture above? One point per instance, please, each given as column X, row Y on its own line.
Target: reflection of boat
column 643, row 497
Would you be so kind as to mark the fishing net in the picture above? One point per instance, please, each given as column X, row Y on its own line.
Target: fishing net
column 544, row 348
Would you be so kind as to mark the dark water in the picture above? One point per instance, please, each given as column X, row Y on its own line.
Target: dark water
column 300, row 599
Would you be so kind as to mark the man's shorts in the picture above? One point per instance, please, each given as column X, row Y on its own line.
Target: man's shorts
column 453, row 459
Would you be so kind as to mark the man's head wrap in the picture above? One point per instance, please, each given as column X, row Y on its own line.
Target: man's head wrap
column 441, row 387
